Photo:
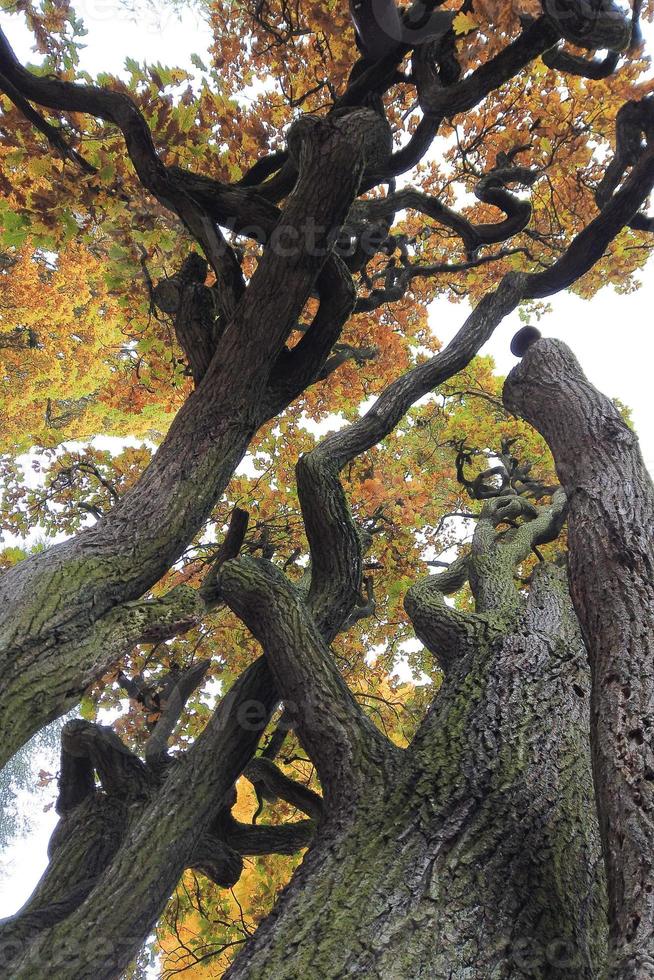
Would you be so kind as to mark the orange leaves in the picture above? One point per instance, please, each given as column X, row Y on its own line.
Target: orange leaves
column 373, row 493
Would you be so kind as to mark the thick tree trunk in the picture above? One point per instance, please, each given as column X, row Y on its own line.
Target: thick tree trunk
column 611, row 515
column 480, row 855
column 66, row 614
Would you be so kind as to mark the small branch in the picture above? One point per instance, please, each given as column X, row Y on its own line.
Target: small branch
column 263, row 771
column 232, row 543
column 441, row 101
column 343, row 353
column 305, row 363
column 446, row 632
column 155, row 750
column 364, row 608
column 54, row 134
column 263, row 169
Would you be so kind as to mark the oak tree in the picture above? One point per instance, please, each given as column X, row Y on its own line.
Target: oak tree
column 216, row 262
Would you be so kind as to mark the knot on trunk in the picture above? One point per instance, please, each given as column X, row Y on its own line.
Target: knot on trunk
column 194, row 308
column 167, row 293
column 363, row 135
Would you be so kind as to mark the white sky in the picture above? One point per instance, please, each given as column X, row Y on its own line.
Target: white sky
column 612, row 335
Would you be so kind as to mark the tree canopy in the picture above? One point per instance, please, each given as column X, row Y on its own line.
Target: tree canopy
column 235, row 268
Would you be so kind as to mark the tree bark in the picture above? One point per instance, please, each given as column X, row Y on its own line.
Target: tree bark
column 475, row 852
column 119, row 851
column 611, row 515
column 65, row 611
column 480, row 855
column 66, row 615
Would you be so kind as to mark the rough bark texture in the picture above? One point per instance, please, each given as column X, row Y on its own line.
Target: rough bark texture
column 53, row 604
column 119, row 851
column 479, row 855
column 475, row 852
column 611, row 515
column 67, row 614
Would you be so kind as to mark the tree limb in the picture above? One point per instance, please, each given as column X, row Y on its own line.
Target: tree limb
column 264, row 771
column 345, row 746
column 160, row 842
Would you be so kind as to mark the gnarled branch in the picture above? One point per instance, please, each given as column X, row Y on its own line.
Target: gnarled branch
column 345, row 746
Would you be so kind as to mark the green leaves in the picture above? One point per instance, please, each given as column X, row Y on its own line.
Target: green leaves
column 14, row 228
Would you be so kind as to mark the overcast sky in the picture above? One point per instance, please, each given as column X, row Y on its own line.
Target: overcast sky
column 611, row 335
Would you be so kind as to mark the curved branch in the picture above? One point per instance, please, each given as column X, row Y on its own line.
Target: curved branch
column 590, row 244
column 54, row 134
column 264, row 771
column 572, row 64
column 83, row 845
column 346, row 747
column 490, row 189
column 399, row 396
column 634, row 121
column 444, row 102
column 446, row 632
column 449, row 633
column 334, row 543
column 593, row 24
column 217, row 861
column 440, row 101
column 301, row 366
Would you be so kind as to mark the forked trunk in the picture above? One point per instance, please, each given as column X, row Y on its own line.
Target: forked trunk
column 481, row 858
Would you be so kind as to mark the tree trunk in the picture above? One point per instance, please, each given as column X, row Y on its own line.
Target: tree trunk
column 66, row 614
column 472, row 853
column 611, row 514
column 480, row 856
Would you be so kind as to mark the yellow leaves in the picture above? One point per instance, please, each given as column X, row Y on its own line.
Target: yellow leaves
column 39, row 166
column 464, row 23
column 223, row 915
column 70, row 335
